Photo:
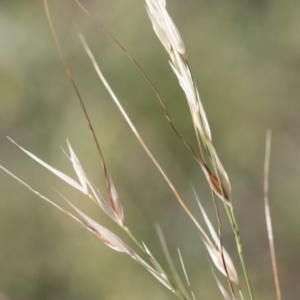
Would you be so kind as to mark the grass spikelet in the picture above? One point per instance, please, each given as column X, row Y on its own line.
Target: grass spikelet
column 219, row 255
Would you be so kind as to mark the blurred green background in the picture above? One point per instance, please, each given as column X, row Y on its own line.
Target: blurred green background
column 245, row 57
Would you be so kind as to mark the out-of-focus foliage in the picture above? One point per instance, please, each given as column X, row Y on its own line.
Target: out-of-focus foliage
column 245, row 58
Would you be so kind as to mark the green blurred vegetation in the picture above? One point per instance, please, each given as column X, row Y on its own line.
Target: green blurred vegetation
column 246, row 59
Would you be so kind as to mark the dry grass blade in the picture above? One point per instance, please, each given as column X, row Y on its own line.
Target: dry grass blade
column 64, row 177
column 268, row 214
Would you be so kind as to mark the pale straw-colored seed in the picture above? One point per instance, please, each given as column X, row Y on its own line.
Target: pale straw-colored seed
column 116, row 203
column 164, row 27
column 217, row 258
column 109, row 238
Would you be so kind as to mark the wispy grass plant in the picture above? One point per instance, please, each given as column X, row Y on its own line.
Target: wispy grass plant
column 235, row 285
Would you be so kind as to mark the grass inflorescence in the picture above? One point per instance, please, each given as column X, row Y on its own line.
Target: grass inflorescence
column 236, row 286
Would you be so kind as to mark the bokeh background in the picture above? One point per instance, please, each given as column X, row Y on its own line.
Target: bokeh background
column 245, row 57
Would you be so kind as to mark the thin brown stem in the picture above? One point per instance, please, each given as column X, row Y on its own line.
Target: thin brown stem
column 70, row 77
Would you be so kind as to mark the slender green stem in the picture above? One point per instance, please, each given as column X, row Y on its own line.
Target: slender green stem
column 129, row 233
column 241, row 294
column 239, row 248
